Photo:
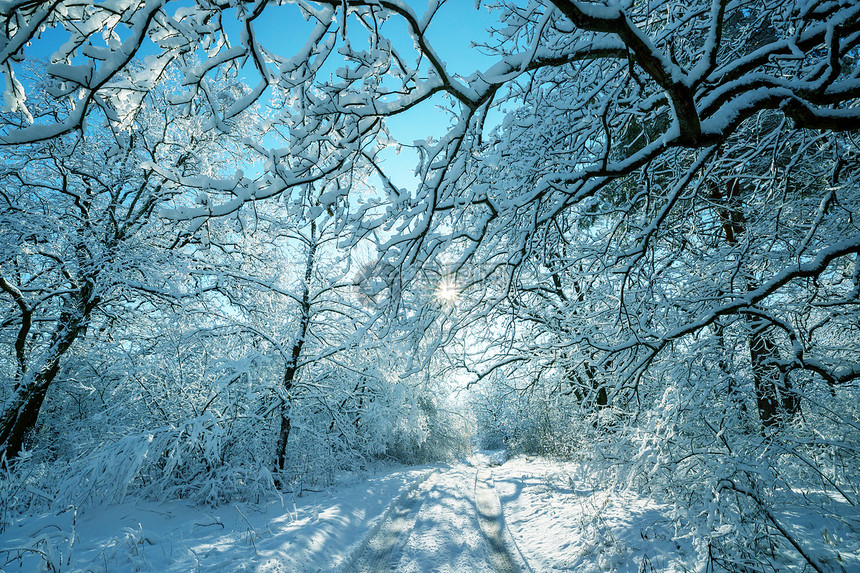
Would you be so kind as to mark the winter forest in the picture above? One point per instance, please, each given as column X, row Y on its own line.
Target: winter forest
column 252, row 252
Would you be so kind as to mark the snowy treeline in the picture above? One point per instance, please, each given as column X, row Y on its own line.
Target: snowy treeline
column 637, row 242
column 145, row 357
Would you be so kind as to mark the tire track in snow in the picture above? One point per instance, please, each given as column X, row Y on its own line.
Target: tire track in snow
column 383, row 550
column 492, row 524
column 452, row 523
column 447, row 537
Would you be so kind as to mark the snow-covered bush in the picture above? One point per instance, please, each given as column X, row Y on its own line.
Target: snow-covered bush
column 513, row 412
column 748, row 499
column 433, row 429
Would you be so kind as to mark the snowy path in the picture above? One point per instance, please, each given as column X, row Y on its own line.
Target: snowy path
column 308, row 533
column 451, row 523
column 492, row 522
column 386, row 545
column 493, row 516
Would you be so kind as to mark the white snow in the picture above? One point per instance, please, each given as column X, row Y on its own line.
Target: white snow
column 560, row 520
column 557, row 518
column 312, row 532
column 446, row 537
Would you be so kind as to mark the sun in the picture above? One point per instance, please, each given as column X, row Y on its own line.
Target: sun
column 446, row 291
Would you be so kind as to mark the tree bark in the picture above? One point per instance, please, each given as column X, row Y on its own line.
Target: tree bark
column 21, row 412
column 776, row 400
column 589, row 392
column 735, row 395
column 292, row 366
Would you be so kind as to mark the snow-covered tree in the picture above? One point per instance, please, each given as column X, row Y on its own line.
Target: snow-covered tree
column 81, row 241
column 651, row 207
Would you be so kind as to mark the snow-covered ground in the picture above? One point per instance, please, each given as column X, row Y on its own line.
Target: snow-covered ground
column 561, row 522
column 562, row 519
column 407, row 520
column 314, row 532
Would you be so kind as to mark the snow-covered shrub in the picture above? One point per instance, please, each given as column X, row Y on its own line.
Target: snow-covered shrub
column 750, row 500
column 430, row 431
column 345, row 421
column 531, row 418
column 188, row 461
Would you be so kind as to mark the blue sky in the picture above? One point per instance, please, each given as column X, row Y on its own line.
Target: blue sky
column 454, row 27
column 282, row 29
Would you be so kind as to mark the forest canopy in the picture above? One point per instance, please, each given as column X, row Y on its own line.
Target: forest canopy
column 632, row 231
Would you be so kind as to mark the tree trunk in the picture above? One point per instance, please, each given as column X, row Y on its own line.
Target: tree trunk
column 289, row 380
column 283, row 436
column 777, row 401
column 21, row 413
column 775, row 398
column 589, row 392
column 292, row 366
column 735, row 396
